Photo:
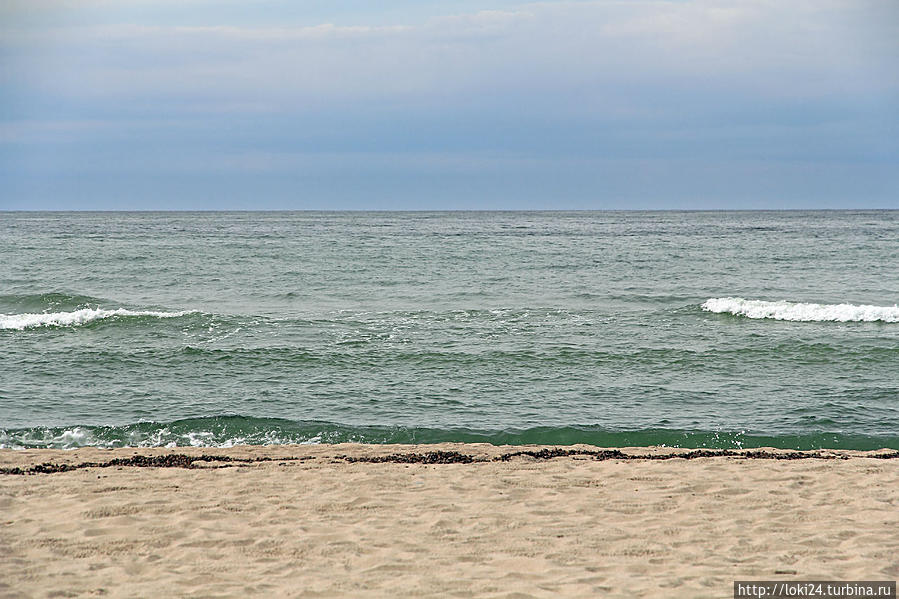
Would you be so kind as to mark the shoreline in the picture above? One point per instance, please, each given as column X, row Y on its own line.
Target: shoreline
column 350, row 520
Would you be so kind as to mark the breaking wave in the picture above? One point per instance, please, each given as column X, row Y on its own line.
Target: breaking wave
column 74, row 318
column 801, row 312
column 231, row 430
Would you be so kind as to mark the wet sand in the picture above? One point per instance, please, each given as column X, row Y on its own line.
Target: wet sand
column 339, row 521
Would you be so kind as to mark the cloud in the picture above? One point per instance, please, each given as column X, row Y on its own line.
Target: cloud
column 591, row 50
column 519, row 86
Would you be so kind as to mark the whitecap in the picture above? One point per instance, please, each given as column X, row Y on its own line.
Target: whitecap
column 74, row 318
column 801, row 312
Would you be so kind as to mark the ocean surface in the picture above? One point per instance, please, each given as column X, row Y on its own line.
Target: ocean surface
column 692, row 329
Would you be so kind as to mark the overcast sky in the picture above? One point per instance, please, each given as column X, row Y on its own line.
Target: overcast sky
column 414, row 104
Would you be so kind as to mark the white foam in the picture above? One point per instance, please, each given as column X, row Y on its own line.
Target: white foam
column 44, row 438
column 74, row 318
column 163, row 436
column 801, row 312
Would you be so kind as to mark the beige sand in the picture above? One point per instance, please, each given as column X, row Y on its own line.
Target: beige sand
column 570, row 527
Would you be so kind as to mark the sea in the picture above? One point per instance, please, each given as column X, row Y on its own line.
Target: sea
column 682, row 329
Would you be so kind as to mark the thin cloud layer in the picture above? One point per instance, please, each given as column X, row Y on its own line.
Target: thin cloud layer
column 573, row 89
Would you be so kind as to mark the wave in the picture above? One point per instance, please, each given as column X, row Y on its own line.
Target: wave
column 74, row 318
column 801, row 312
column 231, row 430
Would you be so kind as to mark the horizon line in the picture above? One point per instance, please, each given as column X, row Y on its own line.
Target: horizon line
column 458, row 210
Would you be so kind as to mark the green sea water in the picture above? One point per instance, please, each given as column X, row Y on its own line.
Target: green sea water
column 692, row 329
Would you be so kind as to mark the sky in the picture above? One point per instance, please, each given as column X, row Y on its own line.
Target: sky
column 421, row 105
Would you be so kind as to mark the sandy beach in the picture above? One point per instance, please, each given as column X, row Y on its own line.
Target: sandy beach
column 333, row 521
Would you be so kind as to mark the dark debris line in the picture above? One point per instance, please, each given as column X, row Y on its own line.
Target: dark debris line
column 436, row 457
column 615, row 454
column 175, row 460
column 453, row 457
column 431, row 457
